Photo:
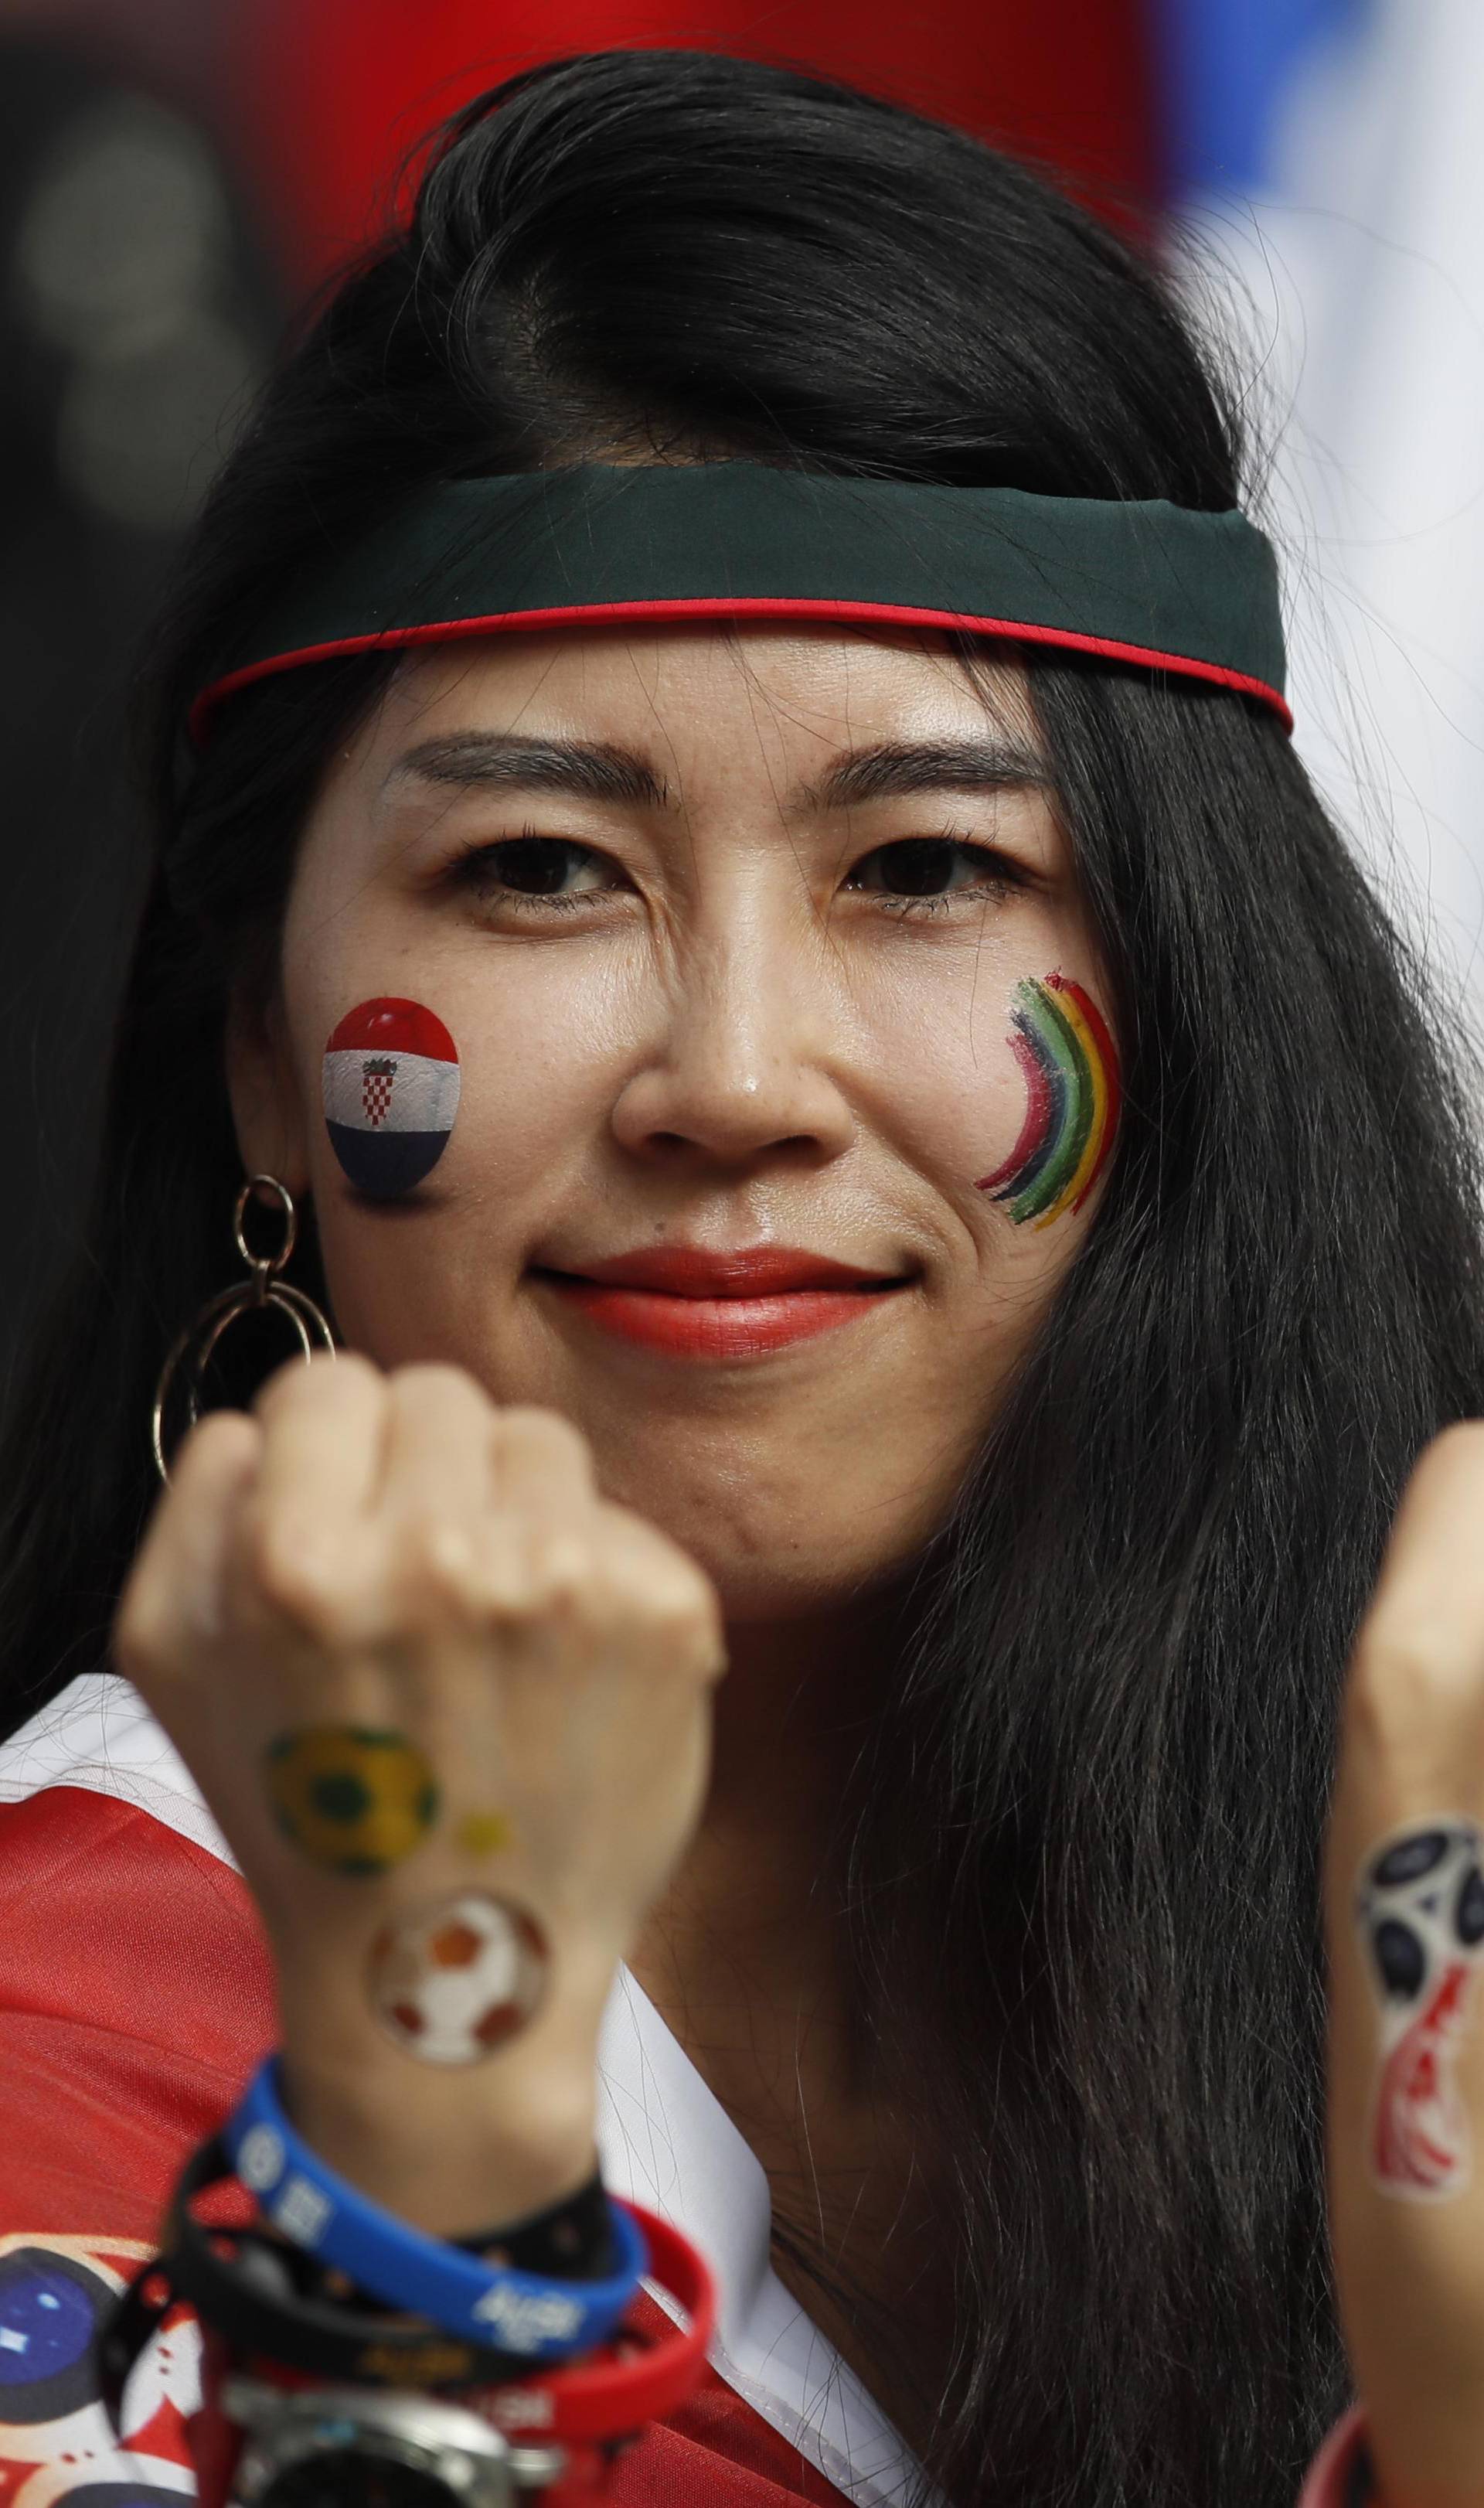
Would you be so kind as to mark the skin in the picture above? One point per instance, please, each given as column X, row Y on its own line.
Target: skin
column 535, row 1549
column 724, row 1045
column 1412, row 1747
column 737, row 1036
column 727, row 1049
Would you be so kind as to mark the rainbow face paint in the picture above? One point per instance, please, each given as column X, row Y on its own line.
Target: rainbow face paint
column 1073, row 1093
column 390, row 1086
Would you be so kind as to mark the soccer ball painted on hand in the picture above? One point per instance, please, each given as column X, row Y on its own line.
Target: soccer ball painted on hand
column 453, row 1981
column 353, row 1799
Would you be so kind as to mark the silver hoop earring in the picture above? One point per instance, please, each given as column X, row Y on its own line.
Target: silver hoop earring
column 246, row 1297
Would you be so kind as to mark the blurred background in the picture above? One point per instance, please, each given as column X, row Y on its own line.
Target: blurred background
column 175, row 174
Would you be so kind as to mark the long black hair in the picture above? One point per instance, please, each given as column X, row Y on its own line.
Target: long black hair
column 1077, row 1866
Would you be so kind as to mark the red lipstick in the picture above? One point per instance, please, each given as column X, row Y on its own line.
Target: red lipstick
column 691, row 1303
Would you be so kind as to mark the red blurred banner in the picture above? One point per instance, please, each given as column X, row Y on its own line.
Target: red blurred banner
column 334, row 94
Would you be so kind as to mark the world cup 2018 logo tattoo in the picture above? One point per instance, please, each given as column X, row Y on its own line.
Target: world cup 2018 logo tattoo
column 1420, row 1908
column 1070, row 1064
column 390, row 1085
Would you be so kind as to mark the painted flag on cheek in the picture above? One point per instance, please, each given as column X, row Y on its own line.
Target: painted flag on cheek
column 391, row 1083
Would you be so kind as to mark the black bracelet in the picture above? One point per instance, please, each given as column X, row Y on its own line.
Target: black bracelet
column 250, row 2294
column 571, row 2240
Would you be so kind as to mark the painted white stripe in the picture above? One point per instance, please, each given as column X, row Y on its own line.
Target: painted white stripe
column 424, row 1093
column 663, row 2139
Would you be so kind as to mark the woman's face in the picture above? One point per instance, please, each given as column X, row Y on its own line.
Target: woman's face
column 729, row 930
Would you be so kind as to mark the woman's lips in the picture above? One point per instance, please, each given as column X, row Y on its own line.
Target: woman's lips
column 693, row 1304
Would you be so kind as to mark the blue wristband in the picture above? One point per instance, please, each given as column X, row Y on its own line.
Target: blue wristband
column 520, row 2313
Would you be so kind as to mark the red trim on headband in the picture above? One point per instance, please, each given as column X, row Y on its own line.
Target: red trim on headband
column 757, row 605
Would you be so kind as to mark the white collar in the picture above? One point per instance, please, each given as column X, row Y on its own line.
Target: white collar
column 663, row 2140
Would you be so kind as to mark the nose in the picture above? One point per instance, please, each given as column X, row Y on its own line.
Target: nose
column 746, row 1064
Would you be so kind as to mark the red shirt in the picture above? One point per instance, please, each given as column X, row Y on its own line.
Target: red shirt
column 135, row 1998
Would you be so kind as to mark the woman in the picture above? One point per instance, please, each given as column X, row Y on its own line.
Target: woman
column 980, row 1894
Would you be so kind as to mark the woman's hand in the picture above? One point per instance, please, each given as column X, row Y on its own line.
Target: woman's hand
column 452, row 1715
column 1405, row 1916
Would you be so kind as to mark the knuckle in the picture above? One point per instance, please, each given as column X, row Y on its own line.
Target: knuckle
column 1460, row 1441
column 664, row 1599
column 695, row 1634
column 563, row 1569
column 214, row 1438
column 677, row 1602
column 1410, row 1680
column 297, row 1380
column 142, row 1632
column 1450, row 1465
column 501, row 1574
column 297, row 1572
column 436, row 1554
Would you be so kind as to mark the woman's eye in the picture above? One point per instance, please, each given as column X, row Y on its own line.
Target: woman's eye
column 555, row 874
column 550, row 870
column 929, row 868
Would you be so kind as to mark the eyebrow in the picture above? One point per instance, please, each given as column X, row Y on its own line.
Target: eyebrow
column 600, row 770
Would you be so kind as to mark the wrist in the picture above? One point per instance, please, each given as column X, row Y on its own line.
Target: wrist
column 441, row 2160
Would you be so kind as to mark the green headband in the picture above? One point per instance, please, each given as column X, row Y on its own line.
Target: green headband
column 1190, row 593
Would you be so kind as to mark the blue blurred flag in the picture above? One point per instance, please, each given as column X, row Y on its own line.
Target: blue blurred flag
column 1327, row 152
column 1227, row 69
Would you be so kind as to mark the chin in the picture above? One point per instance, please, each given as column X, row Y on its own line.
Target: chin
column 786, row 1578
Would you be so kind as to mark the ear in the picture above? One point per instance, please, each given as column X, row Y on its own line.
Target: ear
column 267, row 1106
